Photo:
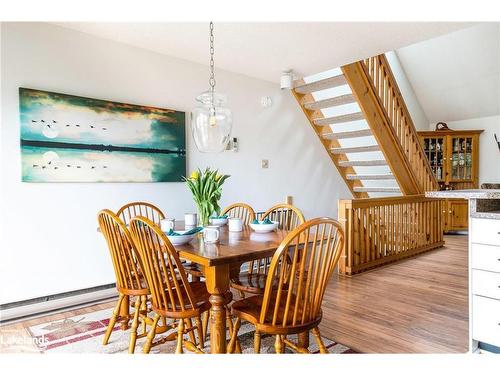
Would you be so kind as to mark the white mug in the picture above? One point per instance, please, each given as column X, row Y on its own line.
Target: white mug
column 190, row 220
column 211, row 234
column 235, row 224
column 167, row 224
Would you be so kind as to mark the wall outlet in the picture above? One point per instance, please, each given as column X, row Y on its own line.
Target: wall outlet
column 265, row 163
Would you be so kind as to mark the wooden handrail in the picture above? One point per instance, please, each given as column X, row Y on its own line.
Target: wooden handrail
column 377, row 68
column 383, row 230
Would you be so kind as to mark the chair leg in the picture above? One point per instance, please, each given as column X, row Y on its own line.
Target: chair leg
column 135, row 325
column 180, row 337
column 319, row 340
column 229, row 322
column 256, row 342
column 205, row 319
column 151, row 335
column 192, row 337
column 237, row 348
column 144, row 310
column 112, row 320
column 199, row 329
column 278, row 345
column 231, row 348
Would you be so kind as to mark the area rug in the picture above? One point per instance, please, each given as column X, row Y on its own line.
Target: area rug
column 84, row 334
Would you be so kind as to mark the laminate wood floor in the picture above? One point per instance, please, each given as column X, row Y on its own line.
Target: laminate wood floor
column 419, row 305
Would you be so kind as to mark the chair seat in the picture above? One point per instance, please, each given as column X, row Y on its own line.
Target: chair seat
column 249, row 309
column 200, row 300
column 253, row 283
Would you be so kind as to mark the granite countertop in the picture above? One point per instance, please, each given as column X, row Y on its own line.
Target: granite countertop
column 465, row 194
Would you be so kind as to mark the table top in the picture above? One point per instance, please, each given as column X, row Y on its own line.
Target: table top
column 233, row 247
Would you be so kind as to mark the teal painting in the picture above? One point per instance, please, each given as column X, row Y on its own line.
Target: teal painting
column 67, row 138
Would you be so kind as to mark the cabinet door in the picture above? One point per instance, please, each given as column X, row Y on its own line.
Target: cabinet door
column 458, row 214
column 461, row 153
column 435, row 150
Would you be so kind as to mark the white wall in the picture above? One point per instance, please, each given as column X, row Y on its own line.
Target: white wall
column 49, row 242
column 416, row 112
column 489, row 154
column 456, row 76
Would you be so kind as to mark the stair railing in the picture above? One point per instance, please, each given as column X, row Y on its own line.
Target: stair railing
column 382, row 79
column 384, row 230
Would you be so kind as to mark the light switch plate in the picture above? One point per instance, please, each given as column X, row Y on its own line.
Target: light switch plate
column 265, row 163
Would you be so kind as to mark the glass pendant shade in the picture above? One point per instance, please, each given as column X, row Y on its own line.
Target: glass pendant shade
column 211, row 122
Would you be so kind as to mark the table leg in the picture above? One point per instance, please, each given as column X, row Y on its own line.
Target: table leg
column 124, row 312
column 217, row 281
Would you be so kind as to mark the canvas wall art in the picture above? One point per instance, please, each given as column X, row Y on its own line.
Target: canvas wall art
column 67, row 138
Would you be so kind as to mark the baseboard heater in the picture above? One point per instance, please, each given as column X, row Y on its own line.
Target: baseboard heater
column 39, row 305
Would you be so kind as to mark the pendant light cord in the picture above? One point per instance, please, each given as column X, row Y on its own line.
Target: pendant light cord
column 211, row 80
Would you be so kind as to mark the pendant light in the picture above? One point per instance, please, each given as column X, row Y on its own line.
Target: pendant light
column 211, row 121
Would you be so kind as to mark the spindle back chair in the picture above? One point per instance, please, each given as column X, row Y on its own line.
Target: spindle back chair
column 172, row 295
column 296, row 283
column 145, row 209
column 130, row 281
column 252, row 281
column 288, row 216
column 240, row 210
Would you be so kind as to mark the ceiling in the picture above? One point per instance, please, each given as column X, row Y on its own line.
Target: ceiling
column 456, row 76
column 263, row 50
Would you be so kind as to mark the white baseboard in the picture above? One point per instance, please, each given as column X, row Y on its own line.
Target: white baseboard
column 56, row 304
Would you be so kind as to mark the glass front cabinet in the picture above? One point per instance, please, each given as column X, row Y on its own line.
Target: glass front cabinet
column 454, row 159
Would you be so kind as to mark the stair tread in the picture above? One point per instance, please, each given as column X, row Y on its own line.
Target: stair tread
column 331, row 102
column 361, row 163
column 340, row 119
column 349, row 134
column 381, row 176
column 323, row 84
column 347, row 150
column 375, row 189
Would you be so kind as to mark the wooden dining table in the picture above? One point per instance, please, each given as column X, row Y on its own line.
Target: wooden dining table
column 220, row 262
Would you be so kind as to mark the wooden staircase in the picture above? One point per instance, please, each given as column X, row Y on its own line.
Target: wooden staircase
column 362, row 121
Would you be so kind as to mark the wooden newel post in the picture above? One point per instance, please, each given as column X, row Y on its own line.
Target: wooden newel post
column 345, row 218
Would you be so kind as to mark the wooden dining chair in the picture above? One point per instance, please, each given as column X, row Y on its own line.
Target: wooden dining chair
column 172, row 296
column 240, row 210
column 253, row 280
column 298, row 276
column 145, row 209
column 130, row 281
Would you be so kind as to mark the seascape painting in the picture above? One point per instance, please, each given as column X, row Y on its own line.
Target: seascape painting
column 67, row 138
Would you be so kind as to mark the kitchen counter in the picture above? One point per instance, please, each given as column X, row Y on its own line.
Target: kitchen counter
column 483, row 203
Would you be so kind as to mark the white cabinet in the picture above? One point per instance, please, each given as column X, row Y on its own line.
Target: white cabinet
column 485, row 281
column 486, row 284
column 485, row 257
column 485, row 231
column 486, row 320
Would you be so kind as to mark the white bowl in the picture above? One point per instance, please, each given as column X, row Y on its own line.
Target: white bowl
column 264, row 228
column 218, row 221
column 181, row 239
